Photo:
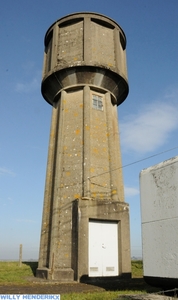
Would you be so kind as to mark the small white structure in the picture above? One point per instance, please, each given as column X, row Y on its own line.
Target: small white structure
column 159, row 214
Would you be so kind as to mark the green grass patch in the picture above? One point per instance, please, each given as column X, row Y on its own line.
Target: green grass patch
column 107, row 295
column 11, row 272
column 137, row 268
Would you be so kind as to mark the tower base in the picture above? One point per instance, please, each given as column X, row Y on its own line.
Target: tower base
column 100, row 228
column 62, row 275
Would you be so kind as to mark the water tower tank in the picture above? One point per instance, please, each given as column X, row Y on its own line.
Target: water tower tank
column 85, row 48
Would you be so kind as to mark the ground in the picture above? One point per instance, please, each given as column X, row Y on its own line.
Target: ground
column 46, row 287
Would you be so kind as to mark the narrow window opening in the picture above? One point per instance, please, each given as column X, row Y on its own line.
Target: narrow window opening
column 122, row 41
column 48, row 51
column 97, row 102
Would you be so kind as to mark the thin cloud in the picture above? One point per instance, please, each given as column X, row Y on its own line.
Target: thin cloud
column 130, row 191
column 171, row 93
column 6, row 202
column 149, row 129
column 27, row 86
column 4, row 171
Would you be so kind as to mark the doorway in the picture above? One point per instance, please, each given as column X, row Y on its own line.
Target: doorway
column 103, row 248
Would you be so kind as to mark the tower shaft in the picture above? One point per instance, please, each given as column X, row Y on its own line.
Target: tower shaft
column 84, row 78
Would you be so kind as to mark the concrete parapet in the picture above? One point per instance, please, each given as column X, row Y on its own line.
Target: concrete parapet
column 85, row 48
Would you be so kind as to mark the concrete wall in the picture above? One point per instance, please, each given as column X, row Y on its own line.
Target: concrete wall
column 79, row 150
column 83, row 211
column 84, row 58
column 159, row 214
column 85, row 48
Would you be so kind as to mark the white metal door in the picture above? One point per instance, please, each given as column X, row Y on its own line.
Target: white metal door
column 103, row 248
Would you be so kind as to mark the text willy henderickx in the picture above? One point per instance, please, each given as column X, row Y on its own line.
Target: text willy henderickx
column 29, row 297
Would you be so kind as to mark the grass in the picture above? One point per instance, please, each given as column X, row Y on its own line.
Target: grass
column 11, row 273
column 107, row 295
column 137, row 268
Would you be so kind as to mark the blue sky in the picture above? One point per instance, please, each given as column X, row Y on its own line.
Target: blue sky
column 148, row 118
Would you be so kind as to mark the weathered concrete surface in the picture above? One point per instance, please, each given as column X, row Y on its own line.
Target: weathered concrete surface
column 159, row 212
column 84, row 59
column 99, row 209
column 85, row 48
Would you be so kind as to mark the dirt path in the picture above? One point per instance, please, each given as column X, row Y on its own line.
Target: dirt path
column 61, row 288
column 47, row 287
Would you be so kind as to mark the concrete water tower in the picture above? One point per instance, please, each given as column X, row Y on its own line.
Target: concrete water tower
column 85, row 225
